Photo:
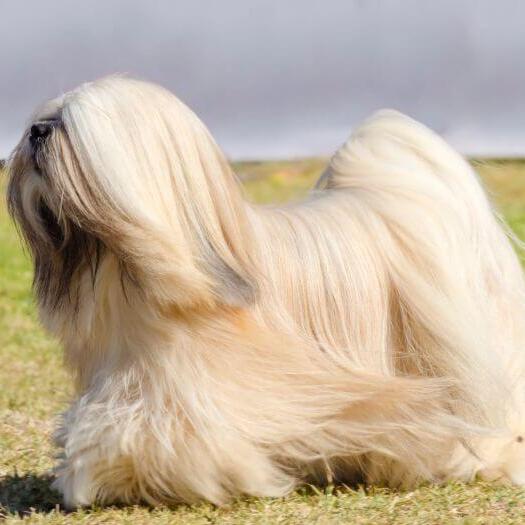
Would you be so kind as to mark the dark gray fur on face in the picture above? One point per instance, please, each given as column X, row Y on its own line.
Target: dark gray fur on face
column 59, row 247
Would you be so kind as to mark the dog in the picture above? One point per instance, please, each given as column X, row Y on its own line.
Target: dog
column 373, row 332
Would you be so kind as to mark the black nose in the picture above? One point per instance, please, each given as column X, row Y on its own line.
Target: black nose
column 40, row 130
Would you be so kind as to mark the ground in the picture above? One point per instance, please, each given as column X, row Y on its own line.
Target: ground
column 34, row 388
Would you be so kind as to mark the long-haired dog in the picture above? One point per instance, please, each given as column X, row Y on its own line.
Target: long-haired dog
column 219, row 348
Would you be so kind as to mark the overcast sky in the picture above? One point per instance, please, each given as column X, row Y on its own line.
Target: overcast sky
column 280, row 78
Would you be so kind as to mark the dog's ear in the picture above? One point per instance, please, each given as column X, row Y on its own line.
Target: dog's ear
column 227, row 240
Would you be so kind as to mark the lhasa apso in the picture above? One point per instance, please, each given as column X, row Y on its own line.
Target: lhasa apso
column 375, row 331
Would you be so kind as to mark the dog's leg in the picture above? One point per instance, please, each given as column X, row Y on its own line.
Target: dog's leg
column 77, row 461
column 94, row 465
column 151, row 449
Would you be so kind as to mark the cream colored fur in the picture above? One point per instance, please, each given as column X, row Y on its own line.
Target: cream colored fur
column 221, row 348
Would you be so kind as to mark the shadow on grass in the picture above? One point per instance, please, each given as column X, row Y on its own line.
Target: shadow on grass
column 32, row 493
column 27, row 493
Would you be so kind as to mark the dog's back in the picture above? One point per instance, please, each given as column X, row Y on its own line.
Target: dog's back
column 400, row 266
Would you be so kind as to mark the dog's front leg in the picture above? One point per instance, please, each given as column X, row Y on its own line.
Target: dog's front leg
column 93, row 463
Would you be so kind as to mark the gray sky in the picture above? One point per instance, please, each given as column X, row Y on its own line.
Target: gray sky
column 282, row 78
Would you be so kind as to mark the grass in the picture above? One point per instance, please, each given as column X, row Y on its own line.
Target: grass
column 34, row 388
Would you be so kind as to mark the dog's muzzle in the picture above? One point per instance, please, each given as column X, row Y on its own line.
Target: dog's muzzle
column 39, row 131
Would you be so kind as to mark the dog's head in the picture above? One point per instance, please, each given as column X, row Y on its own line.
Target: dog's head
column 122, row 168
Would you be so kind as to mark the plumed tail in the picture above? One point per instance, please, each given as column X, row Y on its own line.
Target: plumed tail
column 457, row 282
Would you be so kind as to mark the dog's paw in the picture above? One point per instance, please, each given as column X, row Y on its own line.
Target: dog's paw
column 514, row 460
column 508, row 465
column 494, row 475
column 75, row 483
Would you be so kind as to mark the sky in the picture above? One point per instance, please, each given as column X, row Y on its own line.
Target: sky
column 282, row 78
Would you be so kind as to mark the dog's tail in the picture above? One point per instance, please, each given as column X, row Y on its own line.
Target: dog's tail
column 458, row 288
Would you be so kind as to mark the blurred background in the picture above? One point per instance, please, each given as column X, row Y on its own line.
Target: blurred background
column 275, row 79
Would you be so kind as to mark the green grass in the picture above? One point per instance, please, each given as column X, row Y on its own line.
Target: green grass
column 34, row 388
